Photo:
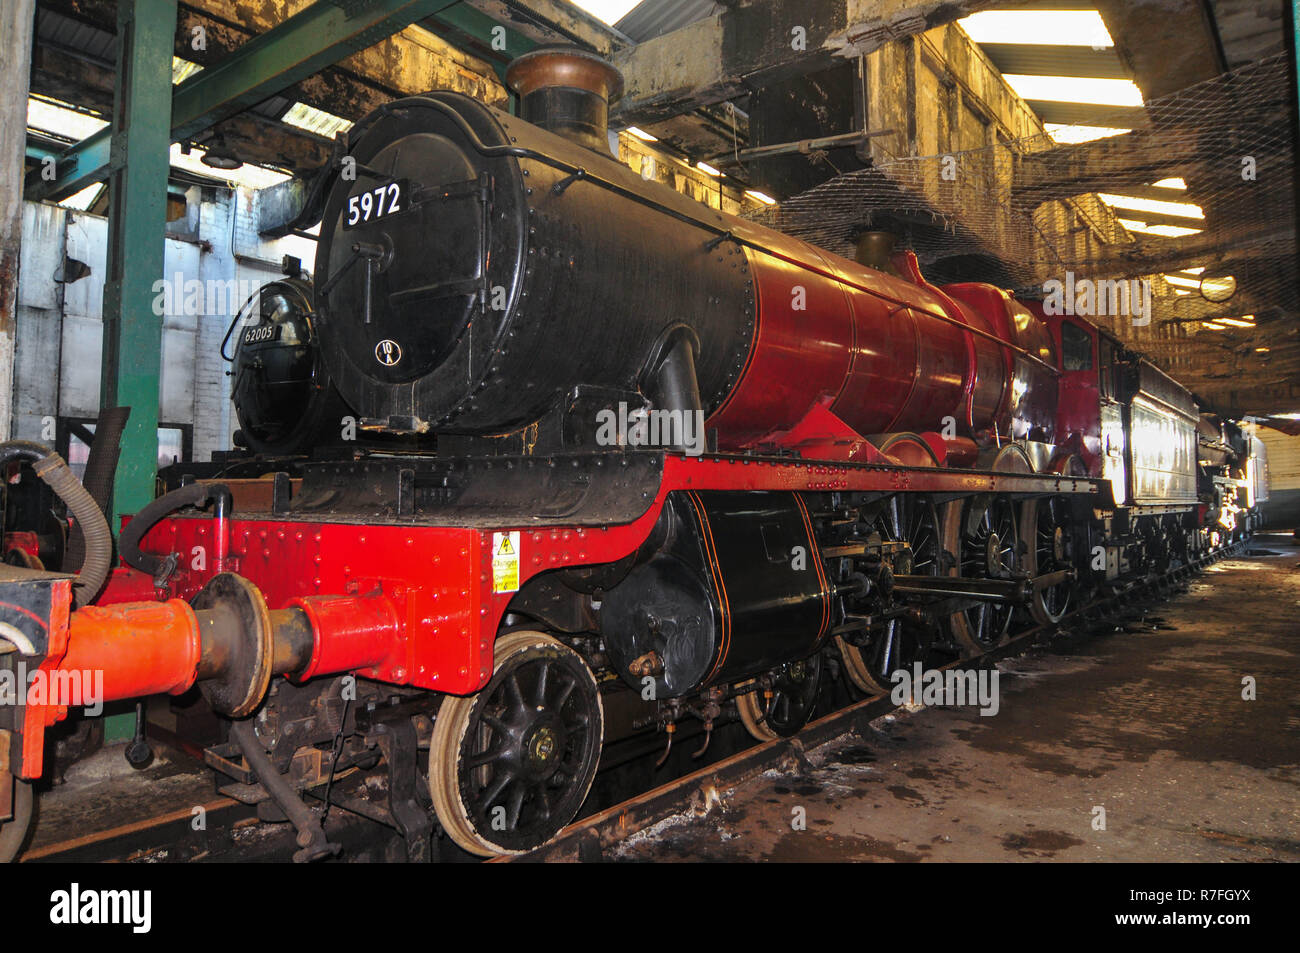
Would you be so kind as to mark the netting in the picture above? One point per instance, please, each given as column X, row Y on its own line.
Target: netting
column 1218, row 252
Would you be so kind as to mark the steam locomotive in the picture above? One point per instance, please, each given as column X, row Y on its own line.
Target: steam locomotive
column 685, row 465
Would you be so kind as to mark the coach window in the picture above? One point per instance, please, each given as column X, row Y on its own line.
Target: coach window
column 1107, row 367
column 1076, row 347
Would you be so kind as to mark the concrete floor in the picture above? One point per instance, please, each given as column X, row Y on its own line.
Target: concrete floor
column 1148, row 724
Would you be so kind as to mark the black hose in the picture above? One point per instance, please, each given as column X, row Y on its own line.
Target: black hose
column 160, row 567
column 53, row 469
column 101, row 467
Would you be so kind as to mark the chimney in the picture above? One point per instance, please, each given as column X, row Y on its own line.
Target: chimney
column 567, row 91
column 875, row 250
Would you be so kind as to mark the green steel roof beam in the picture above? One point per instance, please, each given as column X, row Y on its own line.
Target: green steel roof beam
column 301, row 46
column 494, row 41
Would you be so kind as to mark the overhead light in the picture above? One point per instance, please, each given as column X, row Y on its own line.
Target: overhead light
column 1074, row 89
column 217, row 155
column 1174, row 183
column 760, row 197
column 1154, row 206
column 1164, row 231
column 1213, row 325
column 1193, row 271
column 641, row 134
column 1038, row 27
column 1068, row 135
column 1261, row 350
column 1217, row 288
column 1180, row 291
column 1236, row 322
column 706, row 168
column 1183, row 282
column 248, row 176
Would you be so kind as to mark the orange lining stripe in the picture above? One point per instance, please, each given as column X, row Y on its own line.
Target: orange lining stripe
column 724, row 603
column 817, row 561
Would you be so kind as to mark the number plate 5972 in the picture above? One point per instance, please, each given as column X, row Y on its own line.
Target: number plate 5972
column 378, row 202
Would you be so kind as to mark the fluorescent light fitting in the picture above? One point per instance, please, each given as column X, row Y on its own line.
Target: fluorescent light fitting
column 760, row 197
column 706, row 168
column 641, row 134
column 1154, row 206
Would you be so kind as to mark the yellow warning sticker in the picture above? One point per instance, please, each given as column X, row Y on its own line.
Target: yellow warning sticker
column 505, row 562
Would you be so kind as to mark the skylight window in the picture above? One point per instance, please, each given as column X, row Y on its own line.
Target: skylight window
column 60, row 119
column 1074, row 89
column 1038, row 27
column 315, row 120
column 607, row 11
column 85, row 198
column 183, row 70
column 1072, row 135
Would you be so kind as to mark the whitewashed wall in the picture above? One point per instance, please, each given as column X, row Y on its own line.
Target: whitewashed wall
column 60, row 326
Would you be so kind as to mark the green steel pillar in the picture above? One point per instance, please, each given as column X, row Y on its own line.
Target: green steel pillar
column 141, row 137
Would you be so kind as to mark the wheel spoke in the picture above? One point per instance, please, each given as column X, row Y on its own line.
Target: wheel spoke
column 515, row 806
column 564, row 695
column 540, row 698
column 514, row 691
column 492, row 792
column 486, row 757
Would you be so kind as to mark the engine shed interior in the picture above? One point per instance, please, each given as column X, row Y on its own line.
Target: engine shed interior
column 494, row 430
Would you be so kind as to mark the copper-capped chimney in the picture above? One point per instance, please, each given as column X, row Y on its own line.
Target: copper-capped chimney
column 567, row 91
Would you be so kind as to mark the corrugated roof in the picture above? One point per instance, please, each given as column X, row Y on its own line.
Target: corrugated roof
column 651, row 18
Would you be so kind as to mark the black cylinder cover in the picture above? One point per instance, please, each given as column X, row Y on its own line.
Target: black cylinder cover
column 728, row 585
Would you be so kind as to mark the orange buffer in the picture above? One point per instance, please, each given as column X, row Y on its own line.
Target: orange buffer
column 226, row 641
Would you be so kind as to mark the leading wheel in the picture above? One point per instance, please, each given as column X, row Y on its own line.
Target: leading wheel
column 511, row 765
column 781, row 712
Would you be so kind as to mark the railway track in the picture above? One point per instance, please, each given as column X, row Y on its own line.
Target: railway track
column 235, row 832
